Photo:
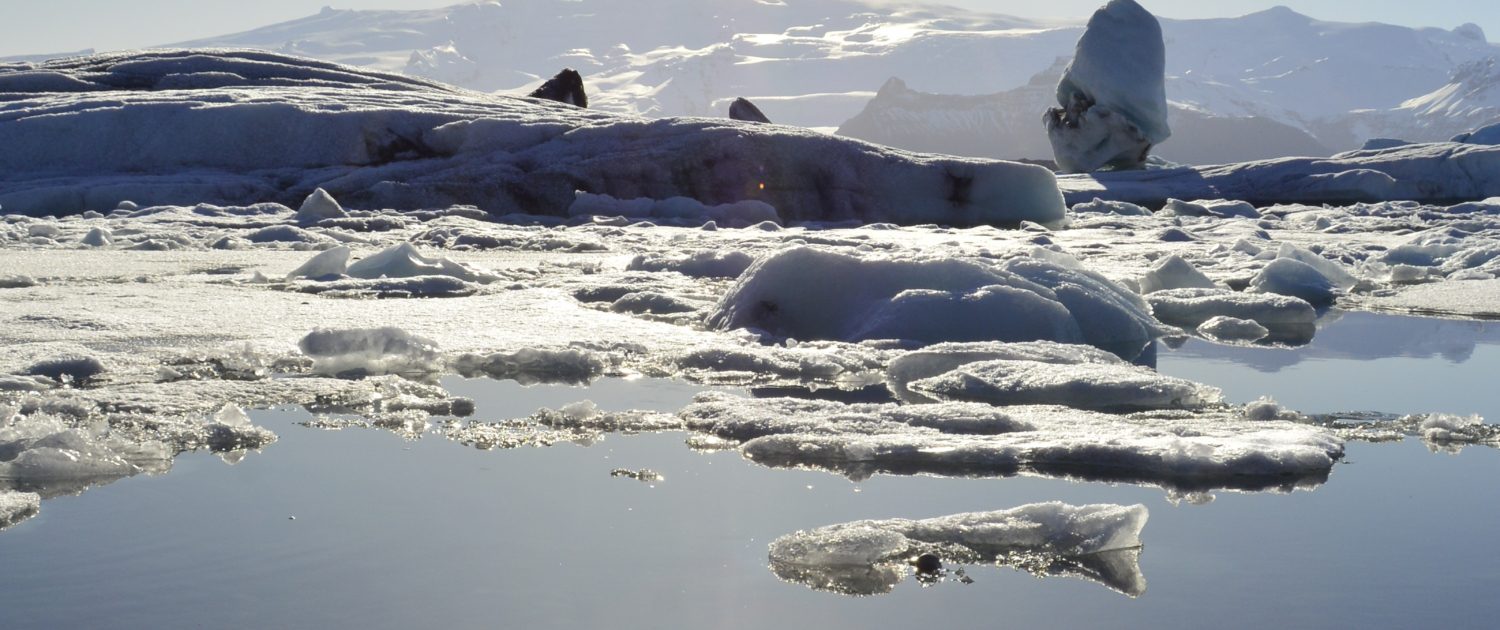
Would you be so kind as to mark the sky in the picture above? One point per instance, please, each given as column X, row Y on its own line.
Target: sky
column 49, row 26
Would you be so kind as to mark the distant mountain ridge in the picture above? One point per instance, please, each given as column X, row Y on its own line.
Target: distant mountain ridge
column 813, row 62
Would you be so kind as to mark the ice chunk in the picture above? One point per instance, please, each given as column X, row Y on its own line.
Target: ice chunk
column 1113, row 95
column 1444, row 428
column 97, row 237
column 74, row 369
column 318, row 206
column 18, row 506
column 867, row 557
column 1174, row 273
column 1100, row 206
column 1026, row 298
column 1101, row 386
column 369, row 351
column 1285, row 276
column 329, row 263
column 701, row 264
column 1223, row 328
column 403, row 261
column 286, row 234
column 1181, row 451
column 16, row 282
column 1191, row 308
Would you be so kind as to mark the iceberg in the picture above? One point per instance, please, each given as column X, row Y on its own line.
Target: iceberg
column 1113, row 95
column 237, row 127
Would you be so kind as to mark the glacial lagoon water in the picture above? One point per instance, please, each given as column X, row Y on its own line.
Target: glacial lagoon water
column 359, row 528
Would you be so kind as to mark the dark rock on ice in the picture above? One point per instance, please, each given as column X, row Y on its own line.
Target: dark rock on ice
column 566, row 87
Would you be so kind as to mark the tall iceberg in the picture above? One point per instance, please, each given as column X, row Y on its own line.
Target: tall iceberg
column 1113, row 96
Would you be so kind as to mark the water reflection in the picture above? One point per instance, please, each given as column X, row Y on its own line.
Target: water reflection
column 1360, row 336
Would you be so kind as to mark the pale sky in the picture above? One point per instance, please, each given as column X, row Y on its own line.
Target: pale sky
column 47, row 26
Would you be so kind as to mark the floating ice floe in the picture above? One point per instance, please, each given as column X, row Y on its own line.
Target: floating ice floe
column 1287, row 319
column 942, row 358
column 932, row 300
column 1178, row 450
column 1100, row 543
column 241, row 126
column 370, row 351
column 1113, row 95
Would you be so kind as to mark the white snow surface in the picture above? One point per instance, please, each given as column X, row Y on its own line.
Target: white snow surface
column 241, row 127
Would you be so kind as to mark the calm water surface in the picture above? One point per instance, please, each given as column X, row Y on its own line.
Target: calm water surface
column 394, row 534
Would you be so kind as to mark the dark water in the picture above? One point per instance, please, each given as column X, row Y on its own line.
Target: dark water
column 393, row 534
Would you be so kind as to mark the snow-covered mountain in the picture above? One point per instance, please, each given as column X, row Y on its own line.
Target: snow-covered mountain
column 1007, row 125
column 815, row 63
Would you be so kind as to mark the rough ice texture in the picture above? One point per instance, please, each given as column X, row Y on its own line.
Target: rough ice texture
column 1434, row 173
column 236, row 127
column 369, row 351
column 847, row 558
column 18, row 506
column 1113, row 95
column 1102, row 386
column 932, row 300
column 1182, row 451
